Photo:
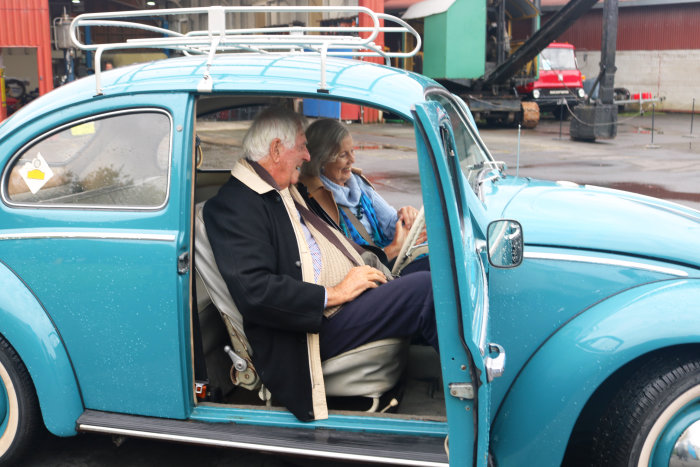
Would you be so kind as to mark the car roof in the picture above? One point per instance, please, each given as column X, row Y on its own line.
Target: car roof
column 265, row 74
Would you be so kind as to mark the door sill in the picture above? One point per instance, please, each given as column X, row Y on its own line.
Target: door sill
column 322, row 443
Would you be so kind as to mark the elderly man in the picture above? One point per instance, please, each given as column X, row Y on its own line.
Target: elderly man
column 303, row 290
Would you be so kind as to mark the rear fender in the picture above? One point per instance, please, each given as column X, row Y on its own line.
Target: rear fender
column 538, row 414
column 26, row 325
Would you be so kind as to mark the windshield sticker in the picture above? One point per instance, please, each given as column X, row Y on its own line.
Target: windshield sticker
column 84, row 129
column 36, row 173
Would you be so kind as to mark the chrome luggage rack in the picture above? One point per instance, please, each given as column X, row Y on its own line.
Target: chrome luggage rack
column 338, row 41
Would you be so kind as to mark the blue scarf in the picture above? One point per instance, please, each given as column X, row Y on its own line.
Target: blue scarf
column 357, row 200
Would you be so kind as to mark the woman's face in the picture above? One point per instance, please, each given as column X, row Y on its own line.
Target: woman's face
column 338, row 171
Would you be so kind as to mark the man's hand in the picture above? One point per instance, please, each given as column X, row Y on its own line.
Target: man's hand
column 359, row 279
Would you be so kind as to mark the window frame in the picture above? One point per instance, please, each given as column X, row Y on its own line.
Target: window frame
column 9, row 166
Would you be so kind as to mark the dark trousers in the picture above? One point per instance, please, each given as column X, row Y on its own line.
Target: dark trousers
column 400, row 308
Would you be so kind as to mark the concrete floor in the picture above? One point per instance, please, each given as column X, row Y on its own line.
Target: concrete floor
column 387, row 154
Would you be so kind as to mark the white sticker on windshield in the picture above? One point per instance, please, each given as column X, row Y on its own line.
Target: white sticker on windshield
column 36, row 173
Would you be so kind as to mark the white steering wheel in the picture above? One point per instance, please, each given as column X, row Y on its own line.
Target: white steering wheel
column 409, row 250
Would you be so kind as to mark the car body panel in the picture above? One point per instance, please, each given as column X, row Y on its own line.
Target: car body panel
column 27, row 326
column 121, row 300
column 557, row 381
column 593, row 218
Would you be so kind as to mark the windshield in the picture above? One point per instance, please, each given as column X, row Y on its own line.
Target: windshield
column 472, row 154
column 557, row 58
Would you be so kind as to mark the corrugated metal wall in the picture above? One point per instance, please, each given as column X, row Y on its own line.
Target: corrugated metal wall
column 26, row 23
column 670, row 27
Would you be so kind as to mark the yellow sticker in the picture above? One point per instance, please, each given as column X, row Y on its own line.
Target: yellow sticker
column 36, row 174
column 84, row 129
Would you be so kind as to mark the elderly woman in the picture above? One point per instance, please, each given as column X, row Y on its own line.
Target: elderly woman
column 344, row 198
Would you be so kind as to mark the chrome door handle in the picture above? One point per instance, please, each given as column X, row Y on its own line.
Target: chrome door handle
column 496, row 364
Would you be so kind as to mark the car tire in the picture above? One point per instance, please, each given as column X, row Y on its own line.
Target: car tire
column 19, row 409
column 646, row 410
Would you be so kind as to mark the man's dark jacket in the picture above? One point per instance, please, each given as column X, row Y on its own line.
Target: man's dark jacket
column 257, row 255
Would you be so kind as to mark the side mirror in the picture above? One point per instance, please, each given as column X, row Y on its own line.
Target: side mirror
column 505, row 243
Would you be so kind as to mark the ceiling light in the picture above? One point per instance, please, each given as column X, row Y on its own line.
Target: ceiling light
column 76, row 1
column 151, row 3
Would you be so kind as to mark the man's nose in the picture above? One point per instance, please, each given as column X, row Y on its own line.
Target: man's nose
column 305, row 155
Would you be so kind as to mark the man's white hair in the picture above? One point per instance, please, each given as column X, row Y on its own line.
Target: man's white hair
column 271, row 123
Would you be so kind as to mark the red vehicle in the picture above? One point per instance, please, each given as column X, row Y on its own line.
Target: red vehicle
column 560, row 81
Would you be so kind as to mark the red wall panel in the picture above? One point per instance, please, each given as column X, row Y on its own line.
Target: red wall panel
column 26, row 23
column 669, row 27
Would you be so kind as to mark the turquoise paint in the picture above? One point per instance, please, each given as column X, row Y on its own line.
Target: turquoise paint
column 594, row 218
column 120, row 304
column 534, row 422
column 25, row 324
column 457, row 246
column 279, row 418
column 4, row 414
column 530, row 302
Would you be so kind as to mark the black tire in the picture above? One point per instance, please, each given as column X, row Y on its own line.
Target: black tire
column 19, row 409
column 624, row 435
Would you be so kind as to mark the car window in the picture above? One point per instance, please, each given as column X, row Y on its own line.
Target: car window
column 116, row 160
column 472, row 156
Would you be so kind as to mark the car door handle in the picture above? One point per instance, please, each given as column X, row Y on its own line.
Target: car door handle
column 183, row 263
column 495, row 362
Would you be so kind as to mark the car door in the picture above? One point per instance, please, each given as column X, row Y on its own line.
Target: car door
column 100, row 230
column 459, row 285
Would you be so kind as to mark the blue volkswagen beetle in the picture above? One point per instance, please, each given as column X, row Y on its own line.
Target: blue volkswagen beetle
column 112, row 319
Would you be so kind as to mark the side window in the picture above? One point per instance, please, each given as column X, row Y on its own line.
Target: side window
column 472, row 156
column 118, row 160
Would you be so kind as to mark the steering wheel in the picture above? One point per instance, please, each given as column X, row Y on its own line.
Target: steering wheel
column 409, row 250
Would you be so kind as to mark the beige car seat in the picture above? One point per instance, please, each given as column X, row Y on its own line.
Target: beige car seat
column 369, row 370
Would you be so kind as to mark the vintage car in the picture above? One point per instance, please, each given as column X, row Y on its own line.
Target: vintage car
column 110, row 323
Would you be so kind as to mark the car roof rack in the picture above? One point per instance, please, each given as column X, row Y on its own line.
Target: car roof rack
column 339, row 41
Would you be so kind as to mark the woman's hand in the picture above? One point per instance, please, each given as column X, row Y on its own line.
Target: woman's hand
column 359, row 279
column 407, row 215
column 392, row 250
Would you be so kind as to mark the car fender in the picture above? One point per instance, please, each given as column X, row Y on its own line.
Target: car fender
column 536, row 418
column 25, row 324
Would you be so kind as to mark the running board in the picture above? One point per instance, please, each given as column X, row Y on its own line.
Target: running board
column 324, row 443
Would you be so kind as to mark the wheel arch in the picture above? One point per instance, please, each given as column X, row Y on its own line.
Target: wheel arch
column 536, row 418
column 25, row 324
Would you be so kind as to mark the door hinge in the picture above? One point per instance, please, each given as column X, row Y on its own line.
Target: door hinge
column 183, row 263
column 462, row 390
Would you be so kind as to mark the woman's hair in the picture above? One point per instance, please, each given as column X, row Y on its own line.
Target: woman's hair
column 271, row 123
column 323, row 141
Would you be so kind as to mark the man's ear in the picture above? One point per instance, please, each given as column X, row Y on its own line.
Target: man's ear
column 275, row 149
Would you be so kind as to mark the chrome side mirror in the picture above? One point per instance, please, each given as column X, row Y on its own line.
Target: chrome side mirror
column 505, row 243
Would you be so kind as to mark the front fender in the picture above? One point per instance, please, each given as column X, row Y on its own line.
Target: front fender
column 537, row 416
column 26, row 325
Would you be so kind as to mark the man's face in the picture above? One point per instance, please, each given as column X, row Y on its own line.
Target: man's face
column 290, row 161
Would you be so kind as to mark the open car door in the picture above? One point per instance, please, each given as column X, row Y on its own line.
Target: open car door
column 459, row 285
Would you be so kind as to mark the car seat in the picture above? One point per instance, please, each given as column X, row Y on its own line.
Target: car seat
column 368, row 370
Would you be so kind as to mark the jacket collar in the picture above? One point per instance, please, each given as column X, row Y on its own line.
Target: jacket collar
column 254, row 176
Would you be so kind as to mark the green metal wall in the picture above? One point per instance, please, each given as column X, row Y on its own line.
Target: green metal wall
column 455, row 41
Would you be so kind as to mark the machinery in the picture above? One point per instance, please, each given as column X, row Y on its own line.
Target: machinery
column 469, row 50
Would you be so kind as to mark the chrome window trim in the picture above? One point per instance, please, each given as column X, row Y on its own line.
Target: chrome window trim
column 485, row 303
column 91, row 207
column 88, row 235
column 605, row 261
column 258, row 447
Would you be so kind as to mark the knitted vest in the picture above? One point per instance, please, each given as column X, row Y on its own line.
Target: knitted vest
column 335, row 264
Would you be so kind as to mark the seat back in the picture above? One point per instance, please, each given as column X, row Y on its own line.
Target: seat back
column 216, row 287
